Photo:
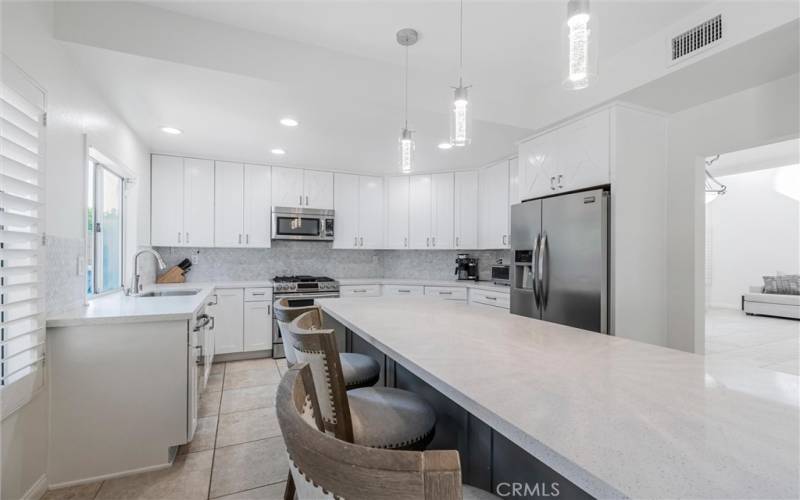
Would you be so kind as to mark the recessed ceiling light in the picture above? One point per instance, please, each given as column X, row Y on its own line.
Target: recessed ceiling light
column 278, row 151
column 171, row 130
column 289, row 122
column 445, row 145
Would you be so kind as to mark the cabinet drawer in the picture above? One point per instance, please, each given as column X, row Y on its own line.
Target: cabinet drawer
column 360, row 291
column 402, row 290
column 257, row 294
column 497, row 299
column 447, row 292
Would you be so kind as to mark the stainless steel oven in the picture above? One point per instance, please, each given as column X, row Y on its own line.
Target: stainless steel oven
column 296, row 299
column 292, row 223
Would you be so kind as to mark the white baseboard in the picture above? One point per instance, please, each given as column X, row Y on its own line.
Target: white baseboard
column 114, row 475
column 37, row 490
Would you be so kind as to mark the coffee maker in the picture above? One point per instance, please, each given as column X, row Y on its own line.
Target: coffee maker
column 466, row 267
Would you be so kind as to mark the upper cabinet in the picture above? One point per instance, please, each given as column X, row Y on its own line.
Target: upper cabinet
column 466, row 209
column 182, row 202
column 358, row 201
column 419, row 211
column 431, row 211
column 571, row 157
column 242, row 208
column 493, row 206
column 294, row 187
column 442, row 210
column 397, row 213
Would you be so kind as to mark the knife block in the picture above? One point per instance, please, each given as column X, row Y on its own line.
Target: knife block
column 173, row 275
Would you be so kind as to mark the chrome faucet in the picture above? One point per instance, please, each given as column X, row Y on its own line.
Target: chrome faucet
column 136, row 288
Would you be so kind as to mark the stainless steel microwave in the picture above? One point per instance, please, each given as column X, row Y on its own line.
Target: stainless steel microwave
column 292, row 223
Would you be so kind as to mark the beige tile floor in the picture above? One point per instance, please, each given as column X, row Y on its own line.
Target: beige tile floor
column 764, row 342
column 237, row 452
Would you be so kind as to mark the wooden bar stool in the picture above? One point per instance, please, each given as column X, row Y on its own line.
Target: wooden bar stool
column 378, row 417
column 359, row 370
column 322, row 466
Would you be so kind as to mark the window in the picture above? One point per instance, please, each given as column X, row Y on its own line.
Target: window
column 22, row 321
column 106, row 191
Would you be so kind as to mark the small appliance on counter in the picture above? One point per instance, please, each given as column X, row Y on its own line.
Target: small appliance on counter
column 501, row 273
column 466, row 267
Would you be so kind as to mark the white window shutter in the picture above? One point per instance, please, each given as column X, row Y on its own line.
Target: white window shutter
column 22, row 313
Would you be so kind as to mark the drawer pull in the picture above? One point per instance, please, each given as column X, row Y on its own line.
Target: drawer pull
column 489, row 298
column 445, row 293
column 360, row 291
column 404, row 291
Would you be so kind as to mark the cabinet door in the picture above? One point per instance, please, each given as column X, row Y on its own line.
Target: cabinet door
column 537, row 166
column 287, row 187
column 584, row 153
column 257, row 206
column 257, row 326
column 166, row 205
column 198, row 202
column 397, row 212
column 466, row 210
column 345, row 198
column 419, row 211
column 442, row 206
column 493, row 207
column 370, row 212
column 228, row 321
column 318, row 189
column 228, row 204
column 513, row 182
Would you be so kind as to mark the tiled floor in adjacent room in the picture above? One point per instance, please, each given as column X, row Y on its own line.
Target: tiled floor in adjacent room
column 237, row 452
column 765, row 342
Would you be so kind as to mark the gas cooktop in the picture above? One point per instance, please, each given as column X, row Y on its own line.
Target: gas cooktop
column 304, row 283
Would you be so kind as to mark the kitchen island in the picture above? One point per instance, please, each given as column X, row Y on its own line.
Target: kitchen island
column 614, row 417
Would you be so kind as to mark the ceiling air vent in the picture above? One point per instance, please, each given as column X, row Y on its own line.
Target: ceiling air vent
column 694, row 39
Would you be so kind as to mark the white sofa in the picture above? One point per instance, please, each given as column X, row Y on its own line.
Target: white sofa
column 771, row 304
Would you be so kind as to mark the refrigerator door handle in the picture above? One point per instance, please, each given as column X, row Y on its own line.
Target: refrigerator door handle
column 544, row 273
column 536, row 253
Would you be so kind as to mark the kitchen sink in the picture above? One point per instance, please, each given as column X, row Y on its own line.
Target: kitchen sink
column 170, row 293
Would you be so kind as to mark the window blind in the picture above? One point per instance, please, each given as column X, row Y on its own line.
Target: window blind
column 22, row 314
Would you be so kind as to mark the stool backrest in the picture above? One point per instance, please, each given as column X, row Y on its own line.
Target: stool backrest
column 317, row 347
column 323, row 466
column 285, row 314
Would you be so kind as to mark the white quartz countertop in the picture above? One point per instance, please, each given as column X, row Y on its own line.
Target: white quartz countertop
column 618, row 418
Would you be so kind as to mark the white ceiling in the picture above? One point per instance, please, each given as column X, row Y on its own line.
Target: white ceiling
column 342, row 80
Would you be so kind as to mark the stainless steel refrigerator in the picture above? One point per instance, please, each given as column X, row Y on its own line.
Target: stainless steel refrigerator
column 560, row 252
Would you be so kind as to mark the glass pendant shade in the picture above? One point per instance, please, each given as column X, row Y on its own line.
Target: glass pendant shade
column 406, row 146
column 460, row 118
column 581, row 46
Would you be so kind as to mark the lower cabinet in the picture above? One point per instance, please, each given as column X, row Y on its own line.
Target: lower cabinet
column 488, row 298
column 360, row 291
column 402, row 290
column 458, row 293
column 242, row 320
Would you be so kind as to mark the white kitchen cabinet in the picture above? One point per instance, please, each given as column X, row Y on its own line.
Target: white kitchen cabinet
column 372, row 290
column 493, row 206
column 257, row 206
column 458, row 293
column 228, row 314
column 513, row 181
column 442, row 206
column 258, row 325
column 574, row 156
column 229, row 204
column 358, row 201
column 403, row 290
column 537, row 166
column 397, row 212
column 419, row 211
column 318, row 189
column 500, row 300
column 465, row 204
column 287, row 187
column 198, row 202
column 166, row 193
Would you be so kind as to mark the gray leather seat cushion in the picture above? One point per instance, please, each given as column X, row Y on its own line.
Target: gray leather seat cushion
column 389, row 418
column 359, row 369
column 473, row 493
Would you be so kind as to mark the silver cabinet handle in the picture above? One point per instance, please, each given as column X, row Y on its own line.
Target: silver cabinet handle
column 362, row 241
column 457, row 241
column 355, row 241
column 489, row 298
column 247, row 239
column 552, row 183
column 433, row 241
column 505, row 239
column 306, row 200
column 560, row 176
column 216, row 300
column 428, row 241
column 360, row 291
column 179, row 236
column 240, row 239
column 187, row 236
column 405, row 241
column 212, row 323
column 269, row 310
column 445, row 293
column 301, row 199
column 404, row 291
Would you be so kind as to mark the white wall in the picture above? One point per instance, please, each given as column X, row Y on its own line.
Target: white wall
column 754, row 117
column 754, row 231
column 74, row 108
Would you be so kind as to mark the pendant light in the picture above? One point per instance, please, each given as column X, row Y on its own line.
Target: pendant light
column 582, row 56
column 461, row 113
column 406, row 37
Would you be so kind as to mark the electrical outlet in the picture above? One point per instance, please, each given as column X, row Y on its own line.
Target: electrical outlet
column 195, row 256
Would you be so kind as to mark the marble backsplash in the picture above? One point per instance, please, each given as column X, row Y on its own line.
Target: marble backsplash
column 318, row 258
